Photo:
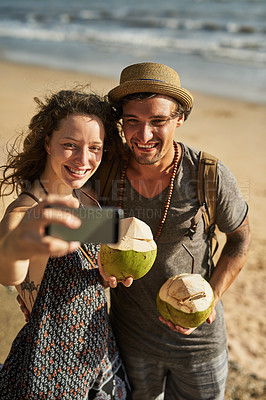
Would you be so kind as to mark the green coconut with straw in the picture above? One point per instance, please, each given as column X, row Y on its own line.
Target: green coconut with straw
column 185, row 299
column 133, row 255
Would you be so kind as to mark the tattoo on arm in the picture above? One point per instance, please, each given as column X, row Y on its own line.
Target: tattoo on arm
column 238, row 242
column 29, row 287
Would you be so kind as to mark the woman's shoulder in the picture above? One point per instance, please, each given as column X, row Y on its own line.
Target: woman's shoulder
column 15, row 211
column 23, row 202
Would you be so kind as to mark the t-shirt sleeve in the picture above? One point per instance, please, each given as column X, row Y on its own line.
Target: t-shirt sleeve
column 231, row 209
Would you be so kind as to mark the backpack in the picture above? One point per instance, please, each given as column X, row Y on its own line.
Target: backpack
column 207, row 188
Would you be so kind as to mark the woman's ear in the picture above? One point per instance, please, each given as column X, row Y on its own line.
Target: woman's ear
column 47, row 144
column 180, row 120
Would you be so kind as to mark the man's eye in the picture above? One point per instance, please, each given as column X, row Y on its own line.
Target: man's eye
column 131, row 121
column 159, row 122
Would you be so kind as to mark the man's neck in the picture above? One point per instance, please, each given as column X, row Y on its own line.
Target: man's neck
column 150, row 180
column 152, row 171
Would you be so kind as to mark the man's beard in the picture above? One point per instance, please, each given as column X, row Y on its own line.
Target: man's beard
column 146, row 159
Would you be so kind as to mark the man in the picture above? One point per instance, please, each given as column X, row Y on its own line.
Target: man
column 158, row 184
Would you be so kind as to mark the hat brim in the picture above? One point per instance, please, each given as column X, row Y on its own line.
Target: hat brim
column 141, row 86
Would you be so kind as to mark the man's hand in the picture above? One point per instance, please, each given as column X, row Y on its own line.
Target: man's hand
column 186, row 331
column 111, row 280
column 211, row 317
column 176, row 328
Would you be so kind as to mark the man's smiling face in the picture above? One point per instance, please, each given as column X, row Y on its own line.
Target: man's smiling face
column 149, row 128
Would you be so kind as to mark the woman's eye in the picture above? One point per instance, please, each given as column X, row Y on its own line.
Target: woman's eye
column 95, row 149
column 70, row 145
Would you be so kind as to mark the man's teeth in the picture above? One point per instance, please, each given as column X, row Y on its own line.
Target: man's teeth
column 78, row 172
column 146, row 146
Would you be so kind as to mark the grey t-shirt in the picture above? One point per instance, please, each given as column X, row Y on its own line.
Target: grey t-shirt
column 133, row 310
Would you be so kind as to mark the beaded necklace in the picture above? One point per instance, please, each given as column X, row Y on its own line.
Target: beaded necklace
column 170, row 189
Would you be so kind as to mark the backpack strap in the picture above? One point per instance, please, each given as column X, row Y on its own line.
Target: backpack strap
column 207, row 191
column 207, row 188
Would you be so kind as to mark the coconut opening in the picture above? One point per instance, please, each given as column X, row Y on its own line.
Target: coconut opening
column 134, row 234
column 187, row 292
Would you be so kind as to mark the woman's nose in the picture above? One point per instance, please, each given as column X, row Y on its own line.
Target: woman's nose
column 83, row 156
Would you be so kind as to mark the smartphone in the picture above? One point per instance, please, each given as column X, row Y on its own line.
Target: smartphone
column 98, row 226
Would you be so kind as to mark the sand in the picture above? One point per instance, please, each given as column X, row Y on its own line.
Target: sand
column 232, row 130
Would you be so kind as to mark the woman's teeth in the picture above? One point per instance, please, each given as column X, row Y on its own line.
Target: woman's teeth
column 77, row 172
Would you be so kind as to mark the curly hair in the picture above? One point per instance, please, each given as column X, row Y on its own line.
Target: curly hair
column 23, row 167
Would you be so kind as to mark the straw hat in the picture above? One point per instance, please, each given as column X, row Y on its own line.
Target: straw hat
column 151, row 77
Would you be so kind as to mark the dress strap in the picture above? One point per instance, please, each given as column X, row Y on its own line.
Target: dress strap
column 92, row 198
column 30, row 195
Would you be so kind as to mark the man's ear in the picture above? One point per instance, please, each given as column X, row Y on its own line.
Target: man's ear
column 180, row 120
column 47, row 144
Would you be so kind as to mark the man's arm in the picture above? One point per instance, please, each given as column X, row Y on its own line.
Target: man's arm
column 231, row 261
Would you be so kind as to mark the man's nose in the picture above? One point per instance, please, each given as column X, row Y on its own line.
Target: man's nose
column 145, row 132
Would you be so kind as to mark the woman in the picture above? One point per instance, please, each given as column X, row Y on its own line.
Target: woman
column 67, row 349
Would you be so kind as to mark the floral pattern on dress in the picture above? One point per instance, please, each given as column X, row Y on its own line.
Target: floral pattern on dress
column 67, row 347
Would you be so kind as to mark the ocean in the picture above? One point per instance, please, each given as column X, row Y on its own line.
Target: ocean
column 217, row 46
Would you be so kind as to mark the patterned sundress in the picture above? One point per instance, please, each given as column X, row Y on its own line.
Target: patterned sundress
column 67, row 349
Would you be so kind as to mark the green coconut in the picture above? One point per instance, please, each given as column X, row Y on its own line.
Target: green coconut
column 133, row 255
column 185, row 300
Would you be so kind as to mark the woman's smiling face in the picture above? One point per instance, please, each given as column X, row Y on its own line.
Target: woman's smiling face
column 74, row 151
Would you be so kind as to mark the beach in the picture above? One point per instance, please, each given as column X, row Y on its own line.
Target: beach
column 233, row 130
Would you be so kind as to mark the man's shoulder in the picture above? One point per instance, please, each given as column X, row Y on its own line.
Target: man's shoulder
column 190, row 154
column 193, row 156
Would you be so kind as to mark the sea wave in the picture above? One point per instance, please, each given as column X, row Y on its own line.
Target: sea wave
column 145, row 18
column 238, row 48
column 216, row 37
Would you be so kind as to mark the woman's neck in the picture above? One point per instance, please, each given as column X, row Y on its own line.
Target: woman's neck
column 51, row 186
